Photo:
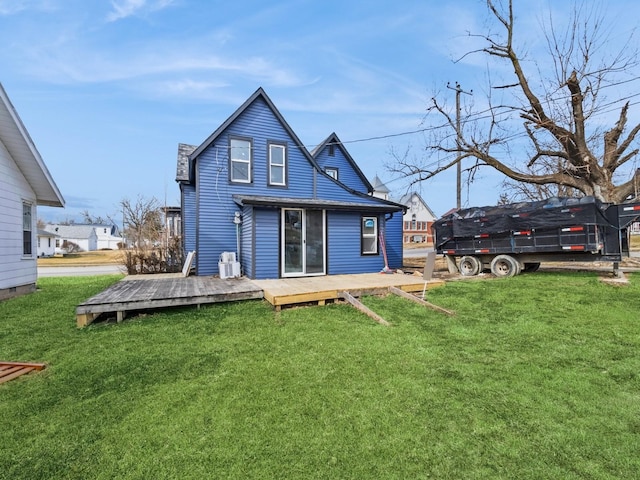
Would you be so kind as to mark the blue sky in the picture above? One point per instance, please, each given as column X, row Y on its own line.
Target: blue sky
column 107, row 89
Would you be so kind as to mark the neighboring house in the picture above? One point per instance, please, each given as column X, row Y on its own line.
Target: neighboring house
column 46, row 243
column 108, row 237
column 418, row 219
column 84, row 236
column 172, row 222
column 254, row 189
column 380, row 190
column 25, row 183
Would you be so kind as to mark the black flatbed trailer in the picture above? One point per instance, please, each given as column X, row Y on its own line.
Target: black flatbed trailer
column 512, row 238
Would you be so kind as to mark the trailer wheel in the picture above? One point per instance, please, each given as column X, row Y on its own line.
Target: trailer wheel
column 469, row 266
column 505, row 266
column 531, row 267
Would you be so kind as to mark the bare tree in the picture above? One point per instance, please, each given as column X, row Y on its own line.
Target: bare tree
column 90, row 219
column 142, row 220
column 543, row 124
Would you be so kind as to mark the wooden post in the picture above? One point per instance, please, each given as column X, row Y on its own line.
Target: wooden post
column 413, row 298
column 364, row 309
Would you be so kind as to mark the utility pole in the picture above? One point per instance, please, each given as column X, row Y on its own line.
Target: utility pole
column 458, row 90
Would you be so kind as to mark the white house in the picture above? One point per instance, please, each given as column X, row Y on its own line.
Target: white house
column 25, row 183
column 418, row 219
column 83, row 236
column 380, row 190
column 107, row 237
column 46, row 243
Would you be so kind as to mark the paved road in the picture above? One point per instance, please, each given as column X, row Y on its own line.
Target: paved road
column 79, row 271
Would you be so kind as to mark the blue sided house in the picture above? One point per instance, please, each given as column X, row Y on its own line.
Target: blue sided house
column 254, row 189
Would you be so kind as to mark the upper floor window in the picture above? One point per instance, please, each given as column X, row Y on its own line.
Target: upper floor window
column 332, row 172
column 27, row 227
column 369, row 236
column 277, row 164
column 332, row 150
column 240, row 160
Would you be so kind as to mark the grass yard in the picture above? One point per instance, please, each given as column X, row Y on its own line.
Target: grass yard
column 536, row 377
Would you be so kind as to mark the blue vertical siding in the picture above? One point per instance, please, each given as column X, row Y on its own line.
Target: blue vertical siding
column 267, row 242
column 189, row 216
column 393, row 240
column 344, row 245
column 346, row 173
column 247, row 250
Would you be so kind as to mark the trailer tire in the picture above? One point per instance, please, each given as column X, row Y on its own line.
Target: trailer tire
column 469, row 266
column 531, row 267
column 505, row 266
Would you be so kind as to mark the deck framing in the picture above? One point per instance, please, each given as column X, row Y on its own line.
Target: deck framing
column 292, row 291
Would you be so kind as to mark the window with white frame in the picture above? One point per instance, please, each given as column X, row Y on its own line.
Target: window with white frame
column 277, row 164
column 332, row 172
column 26, row 230
column 369, row 241
column 240, row 160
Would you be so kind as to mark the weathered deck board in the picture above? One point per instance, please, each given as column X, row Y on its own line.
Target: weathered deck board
column 151, row 292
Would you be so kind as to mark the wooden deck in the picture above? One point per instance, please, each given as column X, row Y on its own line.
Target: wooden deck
column 142, row 292
column 291, row 291
column 146, row 292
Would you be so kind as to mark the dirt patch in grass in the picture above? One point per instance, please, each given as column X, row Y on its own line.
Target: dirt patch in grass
column 99, row 257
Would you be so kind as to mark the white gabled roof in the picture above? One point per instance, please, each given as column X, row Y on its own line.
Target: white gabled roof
column 17, row 141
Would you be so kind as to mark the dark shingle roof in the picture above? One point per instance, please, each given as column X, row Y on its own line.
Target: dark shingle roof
column 182, row 171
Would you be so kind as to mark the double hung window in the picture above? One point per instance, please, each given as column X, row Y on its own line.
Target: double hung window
column 277, row 164
column 369, row 236
column 240, row 155
column 27, row 228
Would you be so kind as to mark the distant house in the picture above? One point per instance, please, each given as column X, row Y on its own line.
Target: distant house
column 82, row 236
column 172, row 222
column 252, row 188
column 46, row 243
column 25, row 183
column 380, row 190
column 417, row 220
column 108, row 237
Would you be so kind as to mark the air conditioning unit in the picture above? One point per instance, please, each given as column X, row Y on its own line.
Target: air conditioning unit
column 228, row 266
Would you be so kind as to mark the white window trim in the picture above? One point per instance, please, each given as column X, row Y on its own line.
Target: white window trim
column 283, row 166
column 332, row 172
column 240, row 160
column 369, row 235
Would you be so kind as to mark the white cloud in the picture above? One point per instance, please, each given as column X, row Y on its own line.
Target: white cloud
column 12, row 7
column 127, row 8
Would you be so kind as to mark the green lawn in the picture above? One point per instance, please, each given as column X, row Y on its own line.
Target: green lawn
column 536, row 377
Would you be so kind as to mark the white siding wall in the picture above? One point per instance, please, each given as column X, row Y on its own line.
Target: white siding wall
column 15, row 269
column 46, row 246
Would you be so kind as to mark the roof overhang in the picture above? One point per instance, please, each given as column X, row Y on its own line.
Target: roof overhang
column 16, row 139
column 266, row 201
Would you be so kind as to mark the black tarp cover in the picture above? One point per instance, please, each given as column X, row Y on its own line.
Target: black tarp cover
column 553, row 212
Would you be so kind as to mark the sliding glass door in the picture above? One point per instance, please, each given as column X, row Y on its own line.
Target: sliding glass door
column 303, row 245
